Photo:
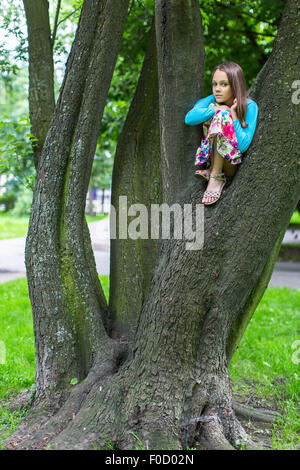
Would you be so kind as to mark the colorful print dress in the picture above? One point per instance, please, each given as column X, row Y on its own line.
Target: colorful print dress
column 221, row 124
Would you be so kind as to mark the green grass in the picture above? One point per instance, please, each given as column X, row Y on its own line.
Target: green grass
column 264, row 369
column 266, row 362
column 14, row 227
column 295, row 220
column 17, row 374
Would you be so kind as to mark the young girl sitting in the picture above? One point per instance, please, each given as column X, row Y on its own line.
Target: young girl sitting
column 229, row 118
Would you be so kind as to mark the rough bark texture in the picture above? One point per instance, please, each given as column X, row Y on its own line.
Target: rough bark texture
column 41, row 70
column 180, row 52
column 69, row 307
column 137, row 177
column 173, row 383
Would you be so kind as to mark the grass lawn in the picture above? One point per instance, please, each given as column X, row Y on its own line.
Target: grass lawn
column 295, row 220
column 14, row 227
column 264, row 369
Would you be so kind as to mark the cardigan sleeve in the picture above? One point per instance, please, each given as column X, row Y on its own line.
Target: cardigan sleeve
column 201, row 112
column 245, row 135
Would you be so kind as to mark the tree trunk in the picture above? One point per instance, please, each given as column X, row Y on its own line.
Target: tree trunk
column 41, row 70
column 67, row 299
column 136, row 180
column 173, row 383
column 180, row 51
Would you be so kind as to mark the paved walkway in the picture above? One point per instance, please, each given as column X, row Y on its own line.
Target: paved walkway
column 285, row 274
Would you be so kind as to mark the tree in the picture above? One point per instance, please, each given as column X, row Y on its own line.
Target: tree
column 171, row 376
column 41, row 71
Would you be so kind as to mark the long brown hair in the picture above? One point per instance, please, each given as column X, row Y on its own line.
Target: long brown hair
column 238, row 85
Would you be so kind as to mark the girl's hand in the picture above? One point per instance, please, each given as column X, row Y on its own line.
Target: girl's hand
column 233, row 110
column 234, row 106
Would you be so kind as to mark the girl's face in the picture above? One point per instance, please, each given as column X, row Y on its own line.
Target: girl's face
column 221, row 88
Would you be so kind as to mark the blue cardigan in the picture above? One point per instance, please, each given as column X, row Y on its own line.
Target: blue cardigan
column 201, row 112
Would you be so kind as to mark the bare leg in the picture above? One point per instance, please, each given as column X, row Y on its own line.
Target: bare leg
column 228, row 168
column 218, row 165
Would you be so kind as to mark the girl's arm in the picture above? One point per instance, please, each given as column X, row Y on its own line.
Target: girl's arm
column 201, row 112
column 244, row 135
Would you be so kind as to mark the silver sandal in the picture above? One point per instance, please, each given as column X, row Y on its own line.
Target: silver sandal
column 214, row 194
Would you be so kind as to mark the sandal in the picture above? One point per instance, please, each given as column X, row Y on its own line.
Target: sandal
column 214, row 194
column 203, row 175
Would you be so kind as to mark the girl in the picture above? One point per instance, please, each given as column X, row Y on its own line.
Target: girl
column 229, row 118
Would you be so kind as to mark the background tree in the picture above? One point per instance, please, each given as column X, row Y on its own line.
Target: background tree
column 174, row 374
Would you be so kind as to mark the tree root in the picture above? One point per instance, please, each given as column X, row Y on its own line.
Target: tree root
column 265, row 416
column 212, row 434
column 40, row 426
column 104, row 408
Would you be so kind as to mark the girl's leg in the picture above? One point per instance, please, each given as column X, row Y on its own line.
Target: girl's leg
column 229, row 169
column 218, row 165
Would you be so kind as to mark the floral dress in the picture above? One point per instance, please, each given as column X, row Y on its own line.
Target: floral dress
column 221, row 124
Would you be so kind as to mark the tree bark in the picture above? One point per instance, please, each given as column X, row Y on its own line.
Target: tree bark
column 173, row 383
column 41, row 70
column 180, row 52
column 66, row 297
column 136, row 179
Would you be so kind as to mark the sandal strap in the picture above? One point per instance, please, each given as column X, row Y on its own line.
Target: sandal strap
column 211, row 193
column 219, row 176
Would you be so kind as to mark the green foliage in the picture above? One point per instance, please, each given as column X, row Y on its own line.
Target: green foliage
column 8, row 200
column 15, row 147
column 233, row 30
column 239, row 31
column 13, row 25
column 23, row 204
column 16, row 160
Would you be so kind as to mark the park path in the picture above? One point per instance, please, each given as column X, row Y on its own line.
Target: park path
column 285, row 274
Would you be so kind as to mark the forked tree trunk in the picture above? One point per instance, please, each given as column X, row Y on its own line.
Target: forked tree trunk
column 175, row 376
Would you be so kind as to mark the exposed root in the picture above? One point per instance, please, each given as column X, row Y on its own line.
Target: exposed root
column 40, row 427
column 210, row 416
column 212, row 434
column 105, row 408
column 265, row 416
